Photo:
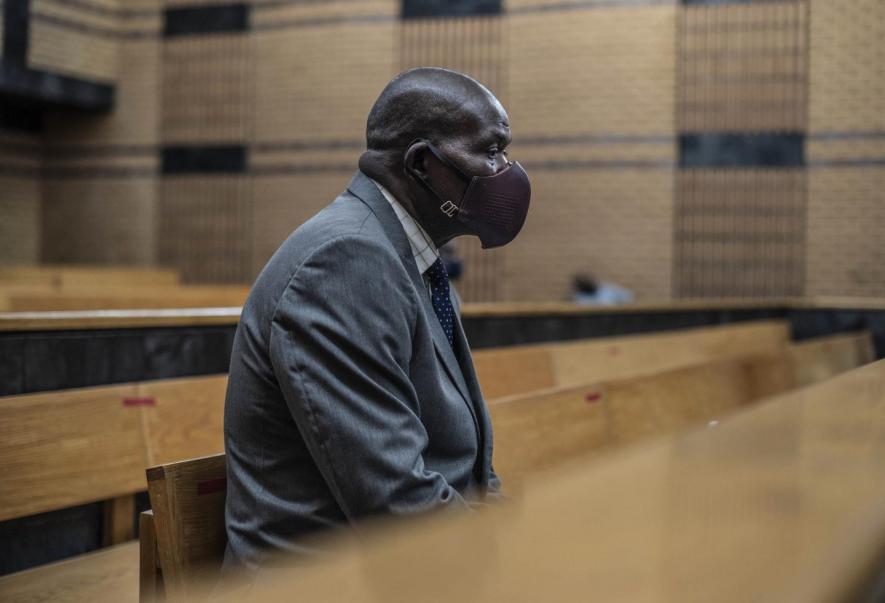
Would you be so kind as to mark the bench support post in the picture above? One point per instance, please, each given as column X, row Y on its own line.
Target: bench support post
column 150, row 578
column 119, row 515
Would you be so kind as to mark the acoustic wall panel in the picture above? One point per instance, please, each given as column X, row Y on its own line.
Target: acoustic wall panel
column 741, row 191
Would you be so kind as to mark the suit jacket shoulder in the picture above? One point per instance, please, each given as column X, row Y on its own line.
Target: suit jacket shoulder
column 335, row 233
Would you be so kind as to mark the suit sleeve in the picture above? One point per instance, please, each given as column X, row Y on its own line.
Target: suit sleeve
column 494, row 483
column 340, row 347
column 494, row 489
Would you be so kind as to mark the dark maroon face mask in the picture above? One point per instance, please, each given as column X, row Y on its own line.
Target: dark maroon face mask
column 492, row 207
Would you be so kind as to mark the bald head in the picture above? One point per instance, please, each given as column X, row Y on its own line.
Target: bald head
column 429, row 132
column 426, row 102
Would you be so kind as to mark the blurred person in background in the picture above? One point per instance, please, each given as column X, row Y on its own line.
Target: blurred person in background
column 452, row 261
column 589, row 291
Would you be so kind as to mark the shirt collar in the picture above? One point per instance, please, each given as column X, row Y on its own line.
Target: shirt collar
column 423, row 249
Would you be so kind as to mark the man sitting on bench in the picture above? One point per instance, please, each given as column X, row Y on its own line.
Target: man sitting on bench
column 352, row 391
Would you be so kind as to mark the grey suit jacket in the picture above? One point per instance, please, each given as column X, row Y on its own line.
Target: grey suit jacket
column 345, row 399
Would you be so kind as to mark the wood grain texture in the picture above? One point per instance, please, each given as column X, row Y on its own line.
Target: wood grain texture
column 63, row 277
column 118, row 526
column 782, row 502
column 521, row 369
column 126, row 297
column 187, row 499
column 186, row 419
column 107, row 576
column 821, row 358
column 537, row 432
column 612, row 358
column 118, row 319
column 509, row 371
column 66, row 448
column 661, row 305
column 150, row 580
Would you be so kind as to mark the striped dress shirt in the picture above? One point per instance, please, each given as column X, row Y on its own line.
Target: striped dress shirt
column 423, row 249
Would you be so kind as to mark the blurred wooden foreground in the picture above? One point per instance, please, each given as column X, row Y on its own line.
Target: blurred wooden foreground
column 784, row 502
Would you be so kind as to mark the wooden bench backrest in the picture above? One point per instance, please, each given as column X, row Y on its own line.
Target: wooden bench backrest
column 536, row 432
column 124, row 297
column 183, row 418
column 50, row 441
column 63, row 277
column 522, row 369
column 508, row 371
column 70, row 447
column 61, row 449
column 187, row 500
column 585, row 361
column 822, row 358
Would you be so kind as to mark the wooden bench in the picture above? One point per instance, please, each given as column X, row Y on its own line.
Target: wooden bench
column 67, row 448
column 781, row 502
column 65, row 288
column 822, row 358
column 106, row 576
column 123, row 297
column 63, row 277
column 182, row 418
column 162, row 421
column 186, row 528
column 71, row 447
column 534, row 433
column 62, row 449
column 521, row 369
column 157, row 422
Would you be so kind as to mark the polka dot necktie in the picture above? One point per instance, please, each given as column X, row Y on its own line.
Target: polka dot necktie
column 439, row 294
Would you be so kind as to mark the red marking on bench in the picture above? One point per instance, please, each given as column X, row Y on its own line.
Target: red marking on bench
column 139, row 402
column 593, row 397
column 614, row 350
column 211, row 486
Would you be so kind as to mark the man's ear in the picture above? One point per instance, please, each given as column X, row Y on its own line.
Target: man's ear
column 415, row 159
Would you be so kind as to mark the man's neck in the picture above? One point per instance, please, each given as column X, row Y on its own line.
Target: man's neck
column 374, row 167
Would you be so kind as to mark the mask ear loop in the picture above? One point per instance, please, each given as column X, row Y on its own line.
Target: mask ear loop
column 446, row 161
column 448, row 207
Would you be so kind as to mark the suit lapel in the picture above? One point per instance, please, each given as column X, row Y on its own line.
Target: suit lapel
column 365, row 189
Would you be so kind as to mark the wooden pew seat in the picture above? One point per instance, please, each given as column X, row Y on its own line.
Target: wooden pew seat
column 106, row 576
column 521, row 369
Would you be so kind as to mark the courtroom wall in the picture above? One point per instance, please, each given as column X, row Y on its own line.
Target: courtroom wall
column 222, row 142
column 680, row 149
column 846, row 149
column 591, row 99
column 100, row 173
column 20, row 193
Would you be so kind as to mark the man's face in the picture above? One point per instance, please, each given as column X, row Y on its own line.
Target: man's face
column 479, row 151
